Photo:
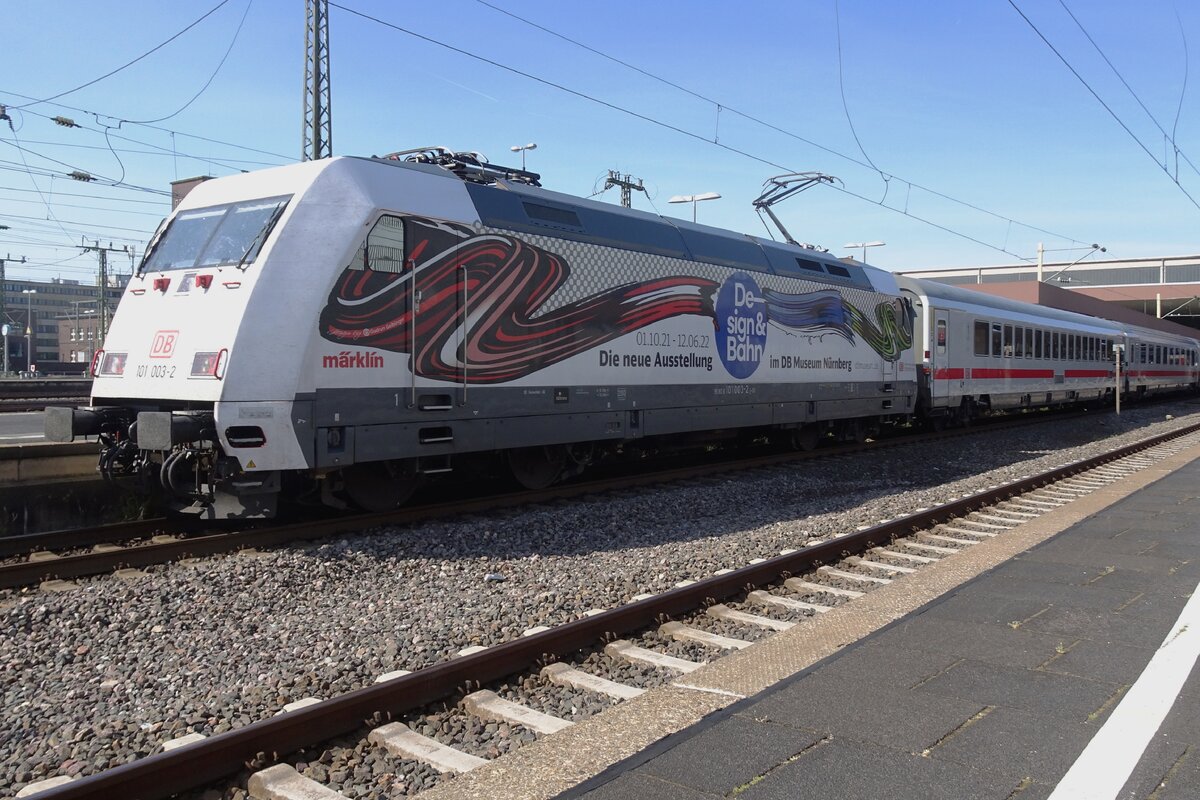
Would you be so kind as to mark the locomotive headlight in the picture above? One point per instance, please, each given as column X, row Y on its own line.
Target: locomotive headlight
column 113, row 363
column 210, row 365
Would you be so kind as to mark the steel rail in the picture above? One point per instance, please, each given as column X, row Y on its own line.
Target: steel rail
column 25, row 543
column 16, row 575
column 207, row 761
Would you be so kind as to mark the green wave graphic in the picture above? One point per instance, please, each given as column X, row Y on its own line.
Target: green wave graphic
column 890, row 334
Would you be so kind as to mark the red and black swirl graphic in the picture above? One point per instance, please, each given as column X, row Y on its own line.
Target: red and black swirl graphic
column 503, row 283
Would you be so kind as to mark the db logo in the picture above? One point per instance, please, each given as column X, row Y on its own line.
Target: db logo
column 164, row 344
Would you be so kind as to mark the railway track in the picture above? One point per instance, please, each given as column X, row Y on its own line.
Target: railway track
column 728, row 611
column 55, row 557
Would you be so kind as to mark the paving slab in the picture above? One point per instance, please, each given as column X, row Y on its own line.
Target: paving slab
column 850, row 770
column 993, row 643
column 1098, row 660
column 1034, row 747
column 893, row 717
column 707, row 764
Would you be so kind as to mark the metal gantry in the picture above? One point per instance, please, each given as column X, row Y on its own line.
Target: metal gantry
column 317, row 135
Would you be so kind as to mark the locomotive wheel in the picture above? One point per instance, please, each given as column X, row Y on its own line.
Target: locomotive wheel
column 805, row 438
column 380, row 485
column 538, row 467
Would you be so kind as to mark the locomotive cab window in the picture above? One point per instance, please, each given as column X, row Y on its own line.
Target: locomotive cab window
column 217, row 236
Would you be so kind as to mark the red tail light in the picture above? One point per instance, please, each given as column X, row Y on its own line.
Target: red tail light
column 204, row 281
column 95, row 362
column 161, row 284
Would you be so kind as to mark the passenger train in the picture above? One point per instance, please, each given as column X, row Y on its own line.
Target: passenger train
column 341, row 330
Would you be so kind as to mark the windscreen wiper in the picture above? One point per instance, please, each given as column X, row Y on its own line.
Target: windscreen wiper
column 262, row 235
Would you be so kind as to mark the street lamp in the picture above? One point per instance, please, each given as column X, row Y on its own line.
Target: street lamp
column 864, row 246
column 521, row 148
column 693, row 199
column 1095, row 248
column 29, row 329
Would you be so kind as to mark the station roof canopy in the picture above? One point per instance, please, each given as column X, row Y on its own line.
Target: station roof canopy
column 1125, row 290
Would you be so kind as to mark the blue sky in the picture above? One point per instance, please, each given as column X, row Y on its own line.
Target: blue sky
column 959, row 97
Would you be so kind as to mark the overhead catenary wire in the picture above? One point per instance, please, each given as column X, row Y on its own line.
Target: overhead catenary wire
column 94, row 175
column 723, row 106
column 666, row 125
column 156, row 151
column 211, row 77
column 837, row 15
column 1105, row 105
column 285, row 158
column 1170, row 137
column 126, row 65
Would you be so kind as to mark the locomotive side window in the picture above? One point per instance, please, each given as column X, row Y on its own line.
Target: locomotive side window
column 981, row 338
column 385, row 245
column 225, row 235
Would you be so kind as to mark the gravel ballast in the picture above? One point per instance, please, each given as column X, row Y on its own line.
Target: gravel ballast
column 102, row 675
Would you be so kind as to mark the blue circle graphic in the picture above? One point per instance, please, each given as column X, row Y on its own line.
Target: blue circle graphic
column 741, row 325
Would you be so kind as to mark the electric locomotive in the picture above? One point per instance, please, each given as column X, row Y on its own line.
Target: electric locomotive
column 344, row 329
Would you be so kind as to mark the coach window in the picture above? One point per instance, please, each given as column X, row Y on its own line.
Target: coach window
column 1037, row 344
column 1019, row 342
column 996, row 340
column 941, row 336
column 1029, row 334
column 981, row 338
column 1008, row 339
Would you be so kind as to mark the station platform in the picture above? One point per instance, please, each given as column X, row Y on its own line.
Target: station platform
column 1066, row 670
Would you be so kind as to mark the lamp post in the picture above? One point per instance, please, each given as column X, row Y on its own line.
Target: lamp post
column 693, row 199
column 521, row 148
column 29, row 329
column 864, row 246
column 1095, row 248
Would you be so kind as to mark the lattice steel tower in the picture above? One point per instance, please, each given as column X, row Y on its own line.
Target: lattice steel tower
column 318, row 126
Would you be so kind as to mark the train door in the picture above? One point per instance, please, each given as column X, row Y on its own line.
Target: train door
column 939, row 357
column 386, row 253
column 430, row 302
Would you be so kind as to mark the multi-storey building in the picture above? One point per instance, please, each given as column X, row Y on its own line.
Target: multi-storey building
column 48, row 302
